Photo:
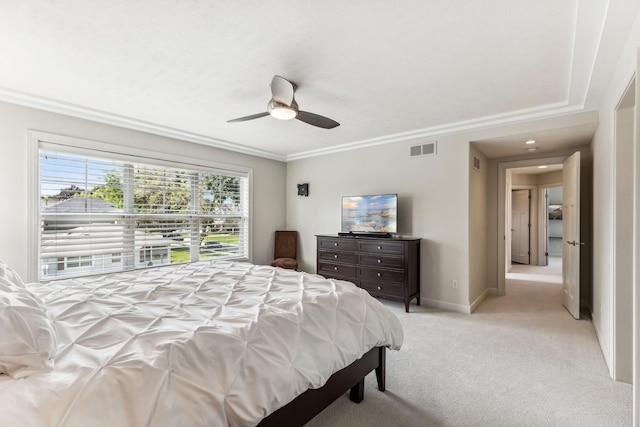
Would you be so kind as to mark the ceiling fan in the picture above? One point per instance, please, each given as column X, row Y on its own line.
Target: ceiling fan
column 283, row 106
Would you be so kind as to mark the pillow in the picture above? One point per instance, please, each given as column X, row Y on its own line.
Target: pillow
column 28, row 341
column 10, row 274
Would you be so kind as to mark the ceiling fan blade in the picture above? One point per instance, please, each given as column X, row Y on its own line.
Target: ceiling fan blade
column 282, row 90
column 244, row 119
column 316, row 120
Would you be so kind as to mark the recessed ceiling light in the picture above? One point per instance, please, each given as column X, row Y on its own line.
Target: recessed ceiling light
column 531, row 148
column 529, row 142
column 542, row 167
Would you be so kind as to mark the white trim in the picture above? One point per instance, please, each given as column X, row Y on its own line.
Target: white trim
column 481, row 297
column 73, row 110
column 68, row 109
column 33, row 207
column 444, row 305
column 607, row 357
column 619, row 359
column 543, row 112
column 636, row 255
column 250, row 208
column 123, row 152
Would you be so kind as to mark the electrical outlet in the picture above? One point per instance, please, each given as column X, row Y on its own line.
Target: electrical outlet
column 454, row 284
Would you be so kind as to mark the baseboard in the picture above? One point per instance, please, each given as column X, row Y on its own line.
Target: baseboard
column 607, row 357
column 444, row 305
column 493, row 291
column 478, row 300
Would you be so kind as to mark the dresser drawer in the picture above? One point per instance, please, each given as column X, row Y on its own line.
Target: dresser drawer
column 347, row 257
column 380, row 261
column 385, row 267
column 378, row 288
column 337, row 271
column 327, row 243
column 380, row 275
column 381, row 247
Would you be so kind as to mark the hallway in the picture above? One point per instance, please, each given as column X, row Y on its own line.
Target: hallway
column 551, row 273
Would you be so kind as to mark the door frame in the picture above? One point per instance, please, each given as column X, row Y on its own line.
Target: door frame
column 543, row 223
column 504, row 189
column 533, row 221
column 622, row 265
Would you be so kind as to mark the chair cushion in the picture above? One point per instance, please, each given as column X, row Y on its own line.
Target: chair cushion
column 286, row 244
column 289, row 263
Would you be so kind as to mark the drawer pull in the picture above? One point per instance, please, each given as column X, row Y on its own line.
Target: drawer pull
column 335, row 244
column 335, row 268
column 379, row 261
column 379, row 247
column 379, row 274
column 379, row 288
column 336, row 256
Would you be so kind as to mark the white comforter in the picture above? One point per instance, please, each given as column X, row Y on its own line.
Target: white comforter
column 205, row 344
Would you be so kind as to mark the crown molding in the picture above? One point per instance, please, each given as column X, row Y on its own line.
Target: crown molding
column 68, row 109
column 77, row 111
column 520, row 116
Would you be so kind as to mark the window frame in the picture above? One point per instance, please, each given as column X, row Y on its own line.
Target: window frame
column 42, row 140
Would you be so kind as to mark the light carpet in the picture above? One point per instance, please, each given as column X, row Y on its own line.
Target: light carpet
column 519, row 360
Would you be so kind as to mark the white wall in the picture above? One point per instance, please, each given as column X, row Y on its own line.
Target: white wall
column 268, row 175
column 433, row 204
column 436, row 204
column 478, row 228
column 623, row 245
column 604, row 165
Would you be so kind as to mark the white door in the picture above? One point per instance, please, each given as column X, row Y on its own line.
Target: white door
column 571, row 235
column 545, row 225
column 520, row 226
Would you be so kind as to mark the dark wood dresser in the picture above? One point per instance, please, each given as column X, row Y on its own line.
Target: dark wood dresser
column 385, row 267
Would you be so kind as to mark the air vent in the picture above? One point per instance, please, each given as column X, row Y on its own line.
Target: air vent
column 428, row 149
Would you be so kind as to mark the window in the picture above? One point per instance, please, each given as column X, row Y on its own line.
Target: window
column 78, row 261
column 103, row 212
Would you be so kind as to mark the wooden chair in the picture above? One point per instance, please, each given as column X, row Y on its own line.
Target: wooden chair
column 286, row 250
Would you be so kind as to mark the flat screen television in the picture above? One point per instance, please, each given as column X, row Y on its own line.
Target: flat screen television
column 374, row 213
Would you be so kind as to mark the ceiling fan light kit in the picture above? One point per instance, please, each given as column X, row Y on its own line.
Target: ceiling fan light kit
column 282, row 111
column 283, row 106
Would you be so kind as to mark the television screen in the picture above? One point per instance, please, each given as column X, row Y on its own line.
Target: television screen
column 370, row 214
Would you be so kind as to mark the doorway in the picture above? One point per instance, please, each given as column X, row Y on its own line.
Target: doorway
column 553, row 238
column 524, row 174
column 537, row 231
column 521, row 226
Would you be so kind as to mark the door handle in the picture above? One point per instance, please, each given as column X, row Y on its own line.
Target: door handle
column 574, row 243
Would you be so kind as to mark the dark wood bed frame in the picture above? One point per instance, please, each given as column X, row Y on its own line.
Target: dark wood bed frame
column 310, row 403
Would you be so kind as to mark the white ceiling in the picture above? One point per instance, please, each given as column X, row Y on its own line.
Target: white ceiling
column 536, row 170
column 387, row 71
column 546, row 141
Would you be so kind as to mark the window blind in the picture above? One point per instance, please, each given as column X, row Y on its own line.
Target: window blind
column 100, row 214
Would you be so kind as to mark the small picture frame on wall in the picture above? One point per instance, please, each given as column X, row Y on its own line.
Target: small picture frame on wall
column 303, row 190
column 555, row 212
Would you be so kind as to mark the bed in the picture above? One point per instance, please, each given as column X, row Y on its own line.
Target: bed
column 211, row 343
